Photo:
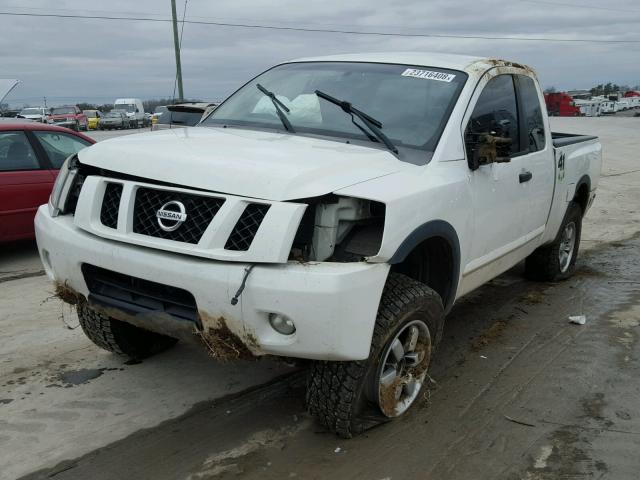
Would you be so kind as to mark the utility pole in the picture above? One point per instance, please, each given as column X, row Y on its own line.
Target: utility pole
column 176, row 43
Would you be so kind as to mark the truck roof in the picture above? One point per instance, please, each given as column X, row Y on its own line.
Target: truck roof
column 432, row 59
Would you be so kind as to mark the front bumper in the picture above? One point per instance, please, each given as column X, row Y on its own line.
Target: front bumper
column 64, row 123
column 333, row 305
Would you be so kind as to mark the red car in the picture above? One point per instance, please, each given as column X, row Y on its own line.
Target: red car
column 69, row 116
column 31, row 154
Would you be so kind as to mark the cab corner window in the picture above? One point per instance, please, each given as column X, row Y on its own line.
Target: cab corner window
column 533, row 124
column 492, row 134
column 16, row 153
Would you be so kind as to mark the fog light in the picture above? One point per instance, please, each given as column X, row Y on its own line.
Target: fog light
column 282, row 324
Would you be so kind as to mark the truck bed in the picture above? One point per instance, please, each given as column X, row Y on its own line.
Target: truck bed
column 564, row 139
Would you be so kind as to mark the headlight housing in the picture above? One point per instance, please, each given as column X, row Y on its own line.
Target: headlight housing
column 62, row 186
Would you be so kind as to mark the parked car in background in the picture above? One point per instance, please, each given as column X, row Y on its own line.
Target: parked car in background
column 183, row 115
column 133, row 108
column 130, row 122
column 10, row 113
column 69, row 116
column 93, row 118
column 38, row 114
column 115, row 119
column 31, row 154
column 157, row 113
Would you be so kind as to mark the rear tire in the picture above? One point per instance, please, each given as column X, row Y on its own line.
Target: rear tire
column 121, row 337
column 351, row 397
column 557, row 260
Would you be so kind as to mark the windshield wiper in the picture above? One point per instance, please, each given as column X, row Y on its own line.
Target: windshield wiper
column 373, row 124
column 279, row 106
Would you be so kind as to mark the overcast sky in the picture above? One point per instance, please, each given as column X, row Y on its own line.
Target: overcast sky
column 73, row 60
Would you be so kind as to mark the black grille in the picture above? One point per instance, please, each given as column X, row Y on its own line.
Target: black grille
column 74, row 194
column 200, row 211
column 135, row 295
column 111, row 205
column 245, row 230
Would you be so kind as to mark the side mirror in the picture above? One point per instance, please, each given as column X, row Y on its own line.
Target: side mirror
column 486, row 147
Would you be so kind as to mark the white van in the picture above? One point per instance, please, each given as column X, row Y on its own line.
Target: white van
column 133, row 108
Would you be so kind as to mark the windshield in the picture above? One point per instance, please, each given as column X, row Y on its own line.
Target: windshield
column 62, row 111
column 90, row 113
column 31, row 111
column 127, row 107
column 188, row 119
column 112, row 114
column 413, row 104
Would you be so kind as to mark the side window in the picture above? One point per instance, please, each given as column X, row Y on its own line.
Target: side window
column 16, row 153
column 532, row 114
column 60, row 145
column 492, row 134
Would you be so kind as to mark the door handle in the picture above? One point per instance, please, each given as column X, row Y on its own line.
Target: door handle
column 525, row 177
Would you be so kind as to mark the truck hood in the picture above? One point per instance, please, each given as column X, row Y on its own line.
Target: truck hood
column 257, row 164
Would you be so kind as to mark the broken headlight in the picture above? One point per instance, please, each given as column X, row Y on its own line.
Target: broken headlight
column 65, row 183
column 340, row 229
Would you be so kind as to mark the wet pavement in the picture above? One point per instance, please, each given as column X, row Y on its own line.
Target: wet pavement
column 518, row 393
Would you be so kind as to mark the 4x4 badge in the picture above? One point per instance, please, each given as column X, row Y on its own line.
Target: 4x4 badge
column 171, row 215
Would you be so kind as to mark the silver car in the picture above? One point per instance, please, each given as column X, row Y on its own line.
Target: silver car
column 115, row 119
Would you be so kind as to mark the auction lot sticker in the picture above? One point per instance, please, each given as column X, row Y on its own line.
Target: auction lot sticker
column 428, row 75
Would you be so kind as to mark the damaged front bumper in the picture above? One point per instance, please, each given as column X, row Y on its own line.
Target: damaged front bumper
column 333, row 305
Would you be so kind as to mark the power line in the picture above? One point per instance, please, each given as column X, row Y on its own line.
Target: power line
column 321, row 30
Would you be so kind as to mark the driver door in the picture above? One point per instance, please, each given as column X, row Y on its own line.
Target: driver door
column 492, row 141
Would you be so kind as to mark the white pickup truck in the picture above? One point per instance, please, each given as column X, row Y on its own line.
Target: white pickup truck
column 331, row 209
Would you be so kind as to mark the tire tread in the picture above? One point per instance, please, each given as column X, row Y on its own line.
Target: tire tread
column 333, row 387
column 119, row 337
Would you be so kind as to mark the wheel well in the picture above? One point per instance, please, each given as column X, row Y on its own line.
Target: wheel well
column 432, row 262
column 582, row 196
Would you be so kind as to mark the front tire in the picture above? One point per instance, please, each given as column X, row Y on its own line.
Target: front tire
column 351, row 397
column 557, row 260
column 121, row 337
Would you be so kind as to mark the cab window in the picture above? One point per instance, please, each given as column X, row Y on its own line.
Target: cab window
column 532, row 120
column 16, row 153
column 59, row 146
